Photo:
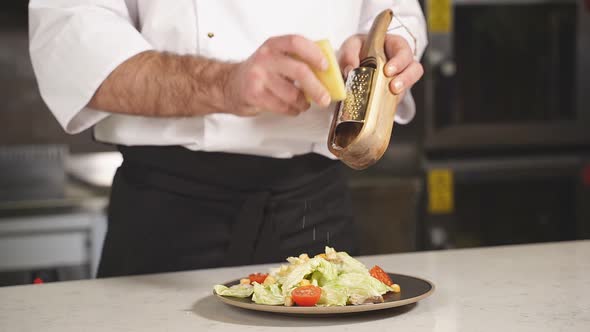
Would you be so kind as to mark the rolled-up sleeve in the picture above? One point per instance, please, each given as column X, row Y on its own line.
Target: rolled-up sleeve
column 74, row 46
column 409, row 23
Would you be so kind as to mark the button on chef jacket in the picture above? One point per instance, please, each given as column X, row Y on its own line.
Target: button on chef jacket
column 76, row 44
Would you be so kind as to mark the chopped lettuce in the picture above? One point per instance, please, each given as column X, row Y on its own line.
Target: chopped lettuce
column 362, row 287
column 350, row 265
column 324, row 273
column 316, row 277
column 239, row 290
column 268, row 294
column 301, row 270
column 333, row 295
column 319, row 271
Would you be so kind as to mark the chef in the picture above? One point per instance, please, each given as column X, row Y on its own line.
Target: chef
column 224, row 158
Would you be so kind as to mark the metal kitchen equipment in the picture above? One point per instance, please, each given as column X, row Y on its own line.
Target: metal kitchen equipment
column 362, row 124
column 507, row 114
column 507, row 200
column 510, row 74
column 32, row 172
column 53, row 246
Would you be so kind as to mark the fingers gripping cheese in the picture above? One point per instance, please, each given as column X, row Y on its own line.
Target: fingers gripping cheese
column 331, row 78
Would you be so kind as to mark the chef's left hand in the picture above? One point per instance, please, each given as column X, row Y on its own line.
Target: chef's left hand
column 400, row 62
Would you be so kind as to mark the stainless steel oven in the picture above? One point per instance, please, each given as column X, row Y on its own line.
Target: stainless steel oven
column 507, row 73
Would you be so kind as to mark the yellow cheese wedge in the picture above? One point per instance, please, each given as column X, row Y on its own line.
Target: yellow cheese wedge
column 331, row 78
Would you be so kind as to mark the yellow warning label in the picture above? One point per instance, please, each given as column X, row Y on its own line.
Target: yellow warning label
column 440, row 191
column 440, row 16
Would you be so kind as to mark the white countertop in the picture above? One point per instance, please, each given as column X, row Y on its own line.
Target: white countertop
column 516, row 288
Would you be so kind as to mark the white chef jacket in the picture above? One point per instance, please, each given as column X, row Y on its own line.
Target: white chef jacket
column 76, row 44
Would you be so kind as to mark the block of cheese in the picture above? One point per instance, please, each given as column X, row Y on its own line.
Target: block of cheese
column 331, row 78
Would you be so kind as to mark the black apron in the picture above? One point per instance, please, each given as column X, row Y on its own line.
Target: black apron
column 173, row 209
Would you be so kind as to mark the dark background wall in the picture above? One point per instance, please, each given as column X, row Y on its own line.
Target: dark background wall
column 24, row 118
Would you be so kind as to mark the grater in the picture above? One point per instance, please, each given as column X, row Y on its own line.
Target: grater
column 363, row 121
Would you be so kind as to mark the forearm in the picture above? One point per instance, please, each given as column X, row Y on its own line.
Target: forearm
column 164, row 85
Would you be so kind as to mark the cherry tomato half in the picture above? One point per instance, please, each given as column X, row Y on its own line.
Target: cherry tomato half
column 258, row 277
column 306, row 296
column 379, row 274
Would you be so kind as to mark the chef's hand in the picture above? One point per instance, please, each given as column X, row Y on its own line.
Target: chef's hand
column 276, row 78
column 400, row 62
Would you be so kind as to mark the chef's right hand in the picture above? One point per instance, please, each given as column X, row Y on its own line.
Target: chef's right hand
column 276, row 78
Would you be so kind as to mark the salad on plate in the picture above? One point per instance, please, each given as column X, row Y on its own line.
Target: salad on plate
column 329, row 279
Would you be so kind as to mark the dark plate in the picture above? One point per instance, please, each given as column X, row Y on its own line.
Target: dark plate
column 413, row 289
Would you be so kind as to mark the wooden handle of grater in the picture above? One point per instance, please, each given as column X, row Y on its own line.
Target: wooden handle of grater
column 374, row 46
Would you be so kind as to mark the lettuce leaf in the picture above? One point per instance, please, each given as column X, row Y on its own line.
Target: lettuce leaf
column 344, row 263
column 235, row 290
column 333, row 295
column 269, row 294
column 324, row 273
column 362, row 287
column 300, row 271
column 350, row 265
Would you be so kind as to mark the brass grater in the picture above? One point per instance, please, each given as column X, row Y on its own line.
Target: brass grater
column 362, row 123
